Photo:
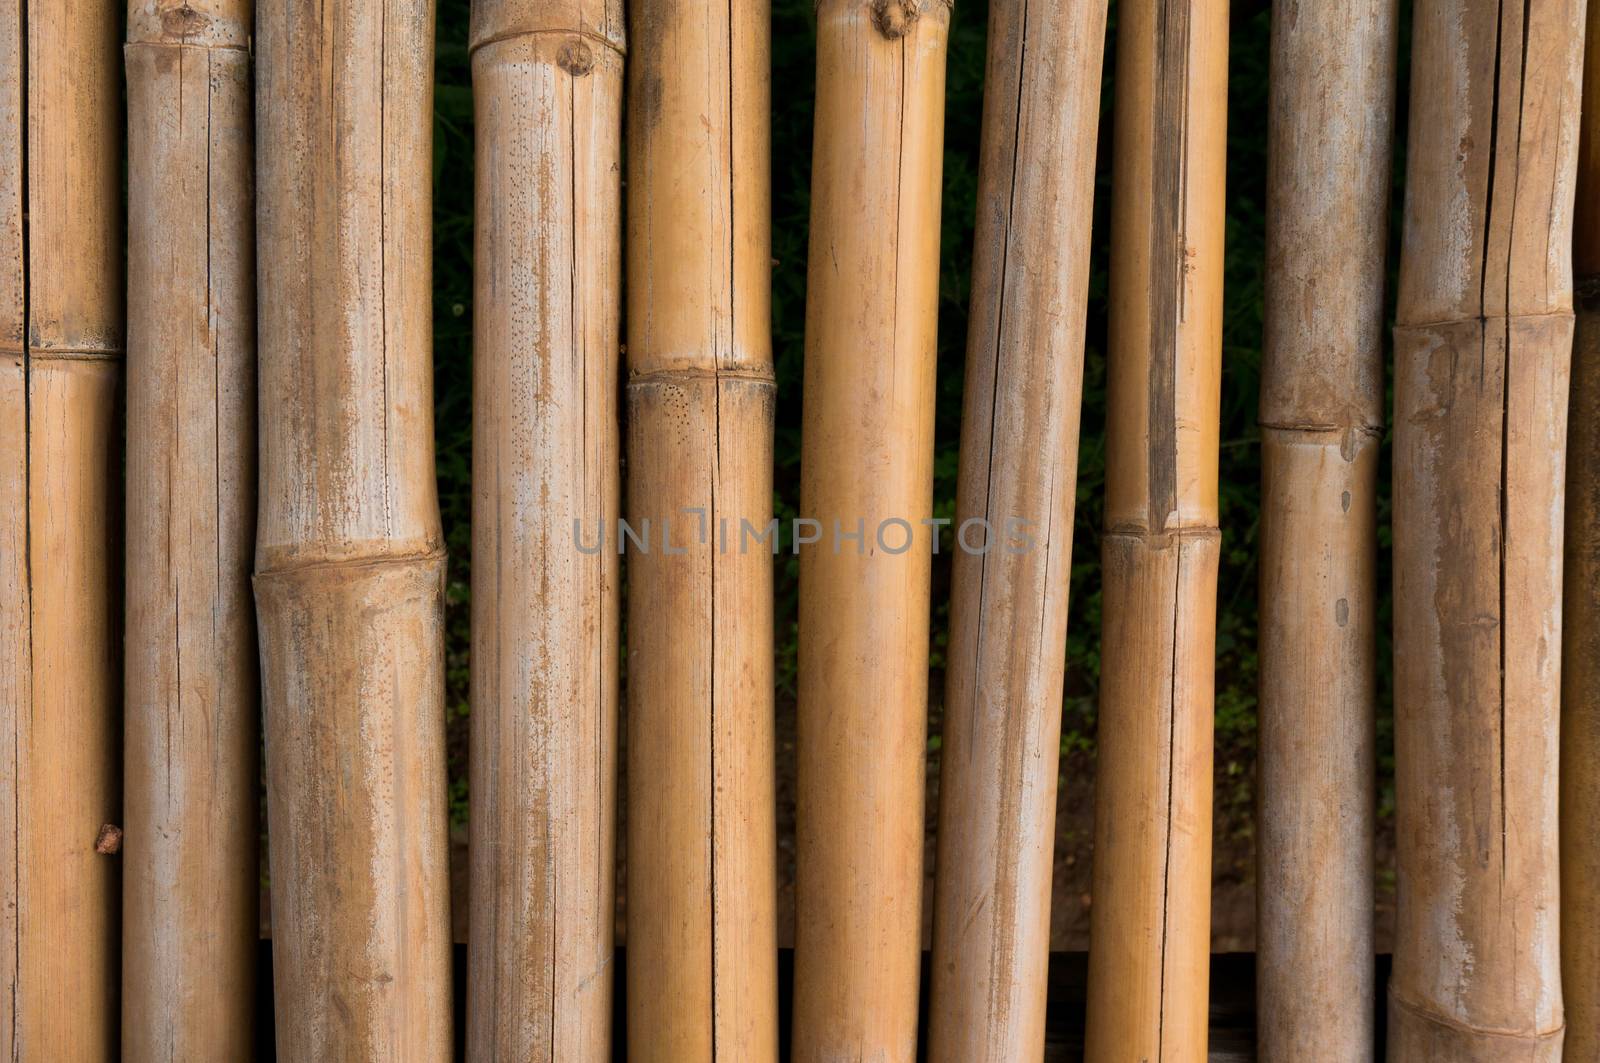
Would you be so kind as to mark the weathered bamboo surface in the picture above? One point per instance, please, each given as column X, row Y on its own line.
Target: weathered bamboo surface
column 702, row 846
column 350, row 559
column 1580, row 662
column 1019, row 462
column 61, row 334
column 1330, row 130
column 547, row 77
column 1150, row 925
column 191, row 880
column 867, row 459
column 1482, row 342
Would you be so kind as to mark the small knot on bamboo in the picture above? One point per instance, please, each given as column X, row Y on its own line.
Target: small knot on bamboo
column 181, row 20
column 575, row 58
column 894, row 18
column 109, row 840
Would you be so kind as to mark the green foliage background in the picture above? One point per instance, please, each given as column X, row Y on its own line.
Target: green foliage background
column 793, row 81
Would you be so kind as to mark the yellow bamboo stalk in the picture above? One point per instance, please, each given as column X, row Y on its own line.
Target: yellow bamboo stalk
column 1321, row 422
column 547, row 77
column 191, row 881
column 1150, row 925
column 1580, row 662
column 866, row 460
column 702, row 936
column 1019, row 450
column 61, row 324
column 1482, row 342
column 350, row 559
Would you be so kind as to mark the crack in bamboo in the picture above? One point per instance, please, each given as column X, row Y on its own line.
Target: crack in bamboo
column 60, row 662
column 867, row 450
column 1000, row 757
column 191, row 880
column 545, row 453
column 349, row 563
column 1482, row 338
column 701, row 815
column 1149, row 927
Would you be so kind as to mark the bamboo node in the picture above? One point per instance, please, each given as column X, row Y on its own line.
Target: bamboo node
column 109, row 840
column 575, row 58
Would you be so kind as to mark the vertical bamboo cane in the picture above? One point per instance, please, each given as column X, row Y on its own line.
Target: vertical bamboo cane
column 702, row 935
column 1482, row 342
column 1580, row 662
column 350, row 559
column 547, row 78
column 61, row 318
column 1321, row 421
column 867, row 459
column 191, row 883
column 1150, row 925
column 1019, row 448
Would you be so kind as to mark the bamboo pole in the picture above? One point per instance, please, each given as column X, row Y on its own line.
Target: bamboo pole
column 866, row 460
column 1019, row 448
column 191, row 880
column 1580, row 663
column 1580, row 683
column 61, row 324
column 702, row 847
column 1482, row 341
column 1322, row 399
column 350, row 559
column 1150, row 925
column 547, row 77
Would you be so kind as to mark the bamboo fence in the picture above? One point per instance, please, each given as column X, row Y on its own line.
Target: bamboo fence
column 1019, row 464
column 1482, row 342
column 191, row 885
column 1322, row 407
column 349, row 553
column 61, row 336
column 1580, row 677
column 279, row 426
column 547, row 78
column 702, row 846
column 866, row 460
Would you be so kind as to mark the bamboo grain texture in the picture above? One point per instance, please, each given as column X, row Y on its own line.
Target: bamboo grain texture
column 1482, row 343
column 1019, row 447
column 1322, row 414
column 61, row 347
column 547, row 77
column 702, row 844
column 1150, row 924
column 1580, row 660
column 349, row 551
column 866, row 458
column 192, row 732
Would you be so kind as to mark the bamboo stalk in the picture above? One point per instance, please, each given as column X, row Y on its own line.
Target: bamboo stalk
column 547, row 78
column 1482, row 341
column 866, row 459
column 702, row 847
column 1019, row 446
column 1321, row 423
column 350, row 559
column 1150, row 925
column 1580, row 662
column 191, row 881
column 61, row 325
